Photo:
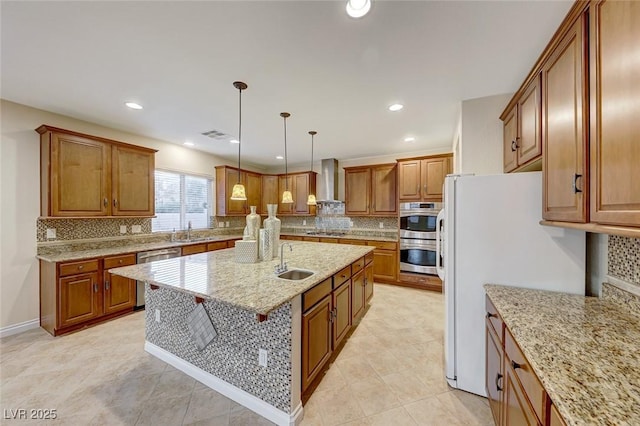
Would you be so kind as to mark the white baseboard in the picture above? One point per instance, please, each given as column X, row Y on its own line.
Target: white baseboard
column 243, row 398
column 10, row 330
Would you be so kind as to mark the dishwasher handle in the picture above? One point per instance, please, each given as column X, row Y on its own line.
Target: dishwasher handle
column 142, row 256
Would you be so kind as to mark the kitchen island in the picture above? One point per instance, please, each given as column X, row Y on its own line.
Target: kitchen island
column 249, row 308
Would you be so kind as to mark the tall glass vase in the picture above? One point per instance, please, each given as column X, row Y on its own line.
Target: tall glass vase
column 272, row 224
column 253, row 224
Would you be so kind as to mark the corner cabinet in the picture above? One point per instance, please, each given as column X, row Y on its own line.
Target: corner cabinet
column 422, row 179
column 88, row 176
column 371, row 190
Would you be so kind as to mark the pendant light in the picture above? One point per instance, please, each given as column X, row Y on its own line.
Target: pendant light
column 358, row 8
column 287, row 198
column 238, row 193
column 311, row 200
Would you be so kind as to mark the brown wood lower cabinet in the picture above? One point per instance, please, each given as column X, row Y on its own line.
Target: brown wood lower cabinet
column 79, row 298
column 316, row 339
column 119, row 292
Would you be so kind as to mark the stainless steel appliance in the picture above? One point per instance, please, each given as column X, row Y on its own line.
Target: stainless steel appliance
column 418, row 220
column 417, row 255
column 152, row 256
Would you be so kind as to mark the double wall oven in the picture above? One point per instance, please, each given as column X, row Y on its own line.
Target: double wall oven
column 418, row 252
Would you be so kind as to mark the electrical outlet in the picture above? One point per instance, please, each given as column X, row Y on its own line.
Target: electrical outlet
column 381, row 225
column 136, row 229
column 123, row 229
column 157, row 315
column 220, row 224
column 351, row 223
column 226, row 224
column 304, row 222
column 262, row 357
column 51, row 233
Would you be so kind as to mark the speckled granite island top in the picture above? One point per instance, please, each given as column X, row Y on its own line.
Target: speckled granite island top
column 584, row 350
column 251, row 286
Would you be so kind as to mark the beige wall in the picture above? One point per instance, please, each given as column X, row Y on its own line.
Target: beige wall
column 20, row 196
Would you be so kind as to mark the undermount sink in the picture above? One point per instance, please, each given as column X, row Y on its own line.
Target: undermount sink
column 295, row 274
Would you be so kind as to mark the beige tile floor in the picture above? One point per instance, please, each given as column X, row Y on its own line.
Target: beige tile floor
column 390, row 372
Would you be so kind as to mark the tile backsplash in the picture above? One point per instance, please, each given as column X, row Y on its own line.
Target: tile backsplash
column 79, row 229
column 624, row 258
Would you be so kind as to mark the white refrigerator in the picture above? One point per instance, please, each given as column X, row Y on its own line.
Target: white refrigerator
column 489, row 232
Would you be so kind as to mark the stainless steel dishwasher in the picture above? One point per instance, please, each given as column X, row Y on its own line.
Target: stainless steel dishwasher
column 152, row 256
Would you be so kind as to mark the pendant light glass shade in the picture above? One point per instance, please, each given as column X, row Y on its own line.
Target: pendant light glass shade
column 311, row 199
column 358, row 8
column 287, row 198
column 238, row 193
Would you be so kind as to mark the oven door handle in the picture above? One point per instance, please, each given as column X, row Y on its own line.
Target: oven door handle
column 439, row 244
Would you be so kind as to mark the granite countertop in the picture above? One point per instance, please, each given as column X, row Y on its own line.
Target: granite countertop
column 251, row 286
column 66, row 256
column 584, row 350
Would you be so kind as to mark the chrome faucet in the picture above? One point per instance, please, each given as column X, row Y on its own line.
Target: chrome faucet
column 189, row 231
column 283, row 265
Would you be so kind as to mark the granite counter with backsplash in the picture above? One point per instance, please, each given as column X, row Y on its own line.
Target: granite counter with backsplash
column 584, row 350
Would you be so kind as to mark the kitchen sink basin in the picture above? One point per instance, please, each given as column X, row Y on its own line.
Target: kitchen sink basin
column 295, row 274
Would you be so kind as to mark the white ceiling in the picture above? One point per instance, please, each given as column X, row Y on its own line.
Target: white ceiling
column 334, row 74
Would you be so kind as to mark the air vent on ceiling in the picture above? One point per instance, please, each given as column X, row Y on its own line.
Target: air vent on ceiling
column 216, row 134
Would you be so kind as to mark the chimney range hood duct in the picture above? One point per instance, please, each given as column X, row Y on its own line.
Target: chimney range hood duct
column 328, row 189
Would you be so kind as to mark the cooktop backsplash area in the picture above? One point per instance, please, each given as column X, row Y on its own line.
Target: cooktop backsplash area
column 624, row 259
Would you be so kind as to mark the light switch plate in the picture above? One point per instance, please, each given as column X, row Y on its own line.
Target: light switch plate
column 304, row 222
column 262, row 357
column 220, row 224
column 51, row 233
column 226, row 224
column 123, row 229
column 136, row 229
column 381, row 225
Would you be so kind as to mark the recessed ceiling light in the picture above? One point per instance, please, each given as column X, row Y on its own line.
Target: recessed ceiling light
column 234, row 141
column 396, row 107
column 279, row 157
column 358, row 8
column 409, row 139
column 188, row 144
column 133, row 105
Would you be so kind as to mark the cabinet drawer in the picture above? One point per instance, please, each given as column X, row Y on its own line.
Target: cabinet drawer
column 217, row 245
column 116, row 261
column 197, row 248
column 313, row 295
column 368, row 258
column 232, row 243
column 341, row 276
column 312, row 239
column 494, row 319
column 357, row 265
column 73, row 268
column 385, row 245
column 329, row 240
column 533, row 388
column 355, row 242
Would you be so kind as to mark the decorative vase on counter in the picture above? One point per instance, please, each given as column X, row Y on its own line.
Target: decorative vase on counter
column 253, row 224
column 272, row 224
column 265, row 251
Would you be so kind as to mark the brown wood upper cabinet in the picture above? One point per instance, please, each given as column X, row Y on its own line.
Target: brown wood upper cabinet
column 614, row 39
column 300, row 185
column 88, row 176
column 564, row 123
column 270, row 193
column 521, row 135
column 421, row 179
column 371, row 190
column 226, row 177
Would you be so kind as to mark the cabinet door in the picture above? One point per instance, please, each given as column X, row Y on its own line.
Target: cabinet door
column 494, row 376
column 555, row 419
column 434, row 170
column 342, row 312
column 409, row 180
column 316, row 340
column 383, row 190
column 564, row 139
column 516, row 406
column 301, row 193
column 80, row 176
column 368, row 282
column 79, row 296
column 356, row 191
column 119, row 293
column 528, row 141
column 226, row 177
column 509, row 143
column 357, row 296
column 269, row 192
column 132, row 182
column 615, row 112
column 385, row 265
column 285, row 183
column 253, row 188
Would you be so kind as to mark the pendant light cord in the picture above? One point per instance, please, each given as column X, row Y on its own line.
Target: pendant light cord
column 239, row 129
column 311, row 168
column 286, row 177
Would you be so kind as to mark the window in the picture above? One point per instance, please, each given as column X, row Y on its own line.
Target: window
column 181, row 198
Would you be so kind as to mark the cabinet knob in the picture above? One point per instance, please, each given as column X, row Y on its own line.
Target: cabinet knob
column 498, row 377
column 115, row 202
column 489, row 315
column 574, row 186
column 105, row 202
column 81, row 267
column 95, row 288
column 120, row 261
column 106, row 285
column 513, row 146
column 515, row 365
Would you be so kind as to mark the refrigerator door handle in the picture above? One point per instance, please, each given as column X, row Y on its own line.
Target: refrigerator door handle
column 439, row 244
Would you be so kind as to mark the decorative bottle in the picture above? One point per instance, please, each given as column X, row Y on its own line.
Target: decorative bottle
column 253, row 224
column 272, row 224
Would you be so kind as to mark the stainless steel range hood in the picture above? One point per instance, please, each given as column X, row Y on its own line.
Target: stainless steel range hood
column 327, row 185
